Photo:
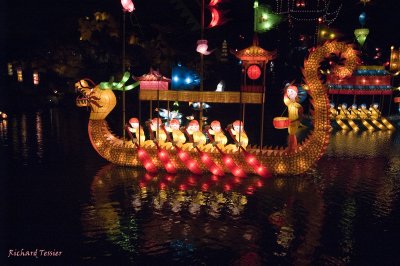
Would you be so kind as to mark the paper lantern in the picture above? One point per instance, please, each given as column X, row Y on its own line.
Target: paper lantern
column 19, row 74
column 281, row 122
column 10, row 69
column 202, row 46
column 362, row 18
column 361, row 35
column 127, row 5
column 35, row 78
column 396, row 99
column 254, row 72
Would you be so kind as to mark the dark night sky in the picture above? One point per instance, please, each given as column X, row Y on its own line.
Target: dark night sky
column 34, row 22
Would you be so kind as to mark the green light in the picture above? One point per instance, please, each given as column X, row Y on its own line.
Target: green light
column 120, row 86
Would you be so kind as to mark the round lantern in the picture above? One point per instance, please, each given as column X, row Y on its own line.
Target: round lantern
column 396, row 99
column 254, row 72
column 281, row 122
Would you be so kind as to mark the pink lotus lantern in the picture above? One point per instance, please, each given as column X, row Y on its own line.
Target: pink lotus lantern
column 202, row 46
column 127, row 5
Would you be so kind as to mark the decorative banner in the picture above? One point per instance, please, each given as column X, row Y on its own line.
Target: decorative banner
column 264, row 18
column 361, row 35
column 119, row 86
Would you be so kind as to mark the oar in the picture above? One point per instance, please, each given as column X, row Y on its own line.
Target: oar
column 228, row 161
column 364, row 121
column 163, row 156
column 185, row 158
column 206, row 158
column 260, row 169
column 142, row 154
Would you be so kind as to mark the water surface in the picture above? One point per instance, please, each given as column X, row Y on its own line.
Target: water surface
column 60, row 195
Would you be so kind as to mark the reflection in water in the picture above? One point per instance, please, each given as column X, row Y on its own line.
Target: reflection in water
column 3, row 131
column 39, row 135
column 163, row 214
column 346, row 210
column 364, row 143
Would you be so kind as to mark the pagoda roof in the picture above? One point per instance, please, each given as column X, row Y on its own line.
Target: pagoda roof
column 255, row 53
column 153, row 75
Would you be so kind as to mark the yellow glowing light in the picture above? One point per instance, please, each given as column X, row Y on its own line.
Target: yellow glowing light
column 35, row 78
column 19, row 74
column 10, row 69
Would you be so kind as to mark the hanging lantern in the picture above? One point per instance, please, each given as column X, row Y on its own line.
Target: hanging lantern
column 35, row 78
column 216, row 16
column 127, row 5
column 394, row 59
column 10, row 69
column 361, row 35
column 254, row 72
column 19, row 74
column 362, row 18
column 202, row 47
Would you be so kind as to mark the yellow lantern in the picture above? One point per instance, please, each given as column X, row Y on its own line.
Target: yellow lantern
column 10, row 69
column 19, row 74
column 394, row 59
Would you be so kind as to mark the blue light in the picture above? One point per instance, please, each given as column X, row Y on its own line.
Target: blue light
column 188, row 80
column 175, row 78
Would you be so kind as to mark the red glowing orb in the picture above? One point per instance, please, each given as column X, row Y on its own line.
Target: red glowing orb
column 254, row 72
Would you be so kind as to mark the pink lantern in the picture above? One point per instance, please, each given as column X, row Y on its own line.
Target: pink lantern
column 127, row 5
column 202, row 47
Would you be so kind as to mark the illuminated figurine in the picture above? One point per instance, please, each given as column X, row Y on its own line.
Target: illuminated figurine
column 363, row 112
column 374, row 109
column 217, row 136
column 155, row 125
column 178, row 137
column 199, row 140
column 237, row 132
column 343, row 113
column 137, row 131
column 333, row 111
column 295, row 113
column 353, row 112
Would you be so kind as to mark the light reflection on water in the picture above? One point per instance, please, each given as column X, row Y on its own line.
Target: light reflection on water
column 344, row 210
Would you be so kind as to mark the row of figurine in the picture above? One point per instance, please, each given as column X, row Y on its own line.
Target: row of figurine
column 189, row 137
column 355, row 112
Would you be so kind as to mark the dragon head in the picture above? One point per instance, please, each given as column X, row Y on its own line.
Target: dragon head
column 100, row 101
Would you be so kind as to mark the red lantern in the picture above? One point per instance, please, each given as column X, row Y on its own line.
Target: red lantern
column 254, row 72
column 396, row 99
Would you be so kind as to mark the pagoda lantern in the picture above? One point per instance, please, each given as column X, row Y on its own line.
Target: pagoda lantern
column 254, row 60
